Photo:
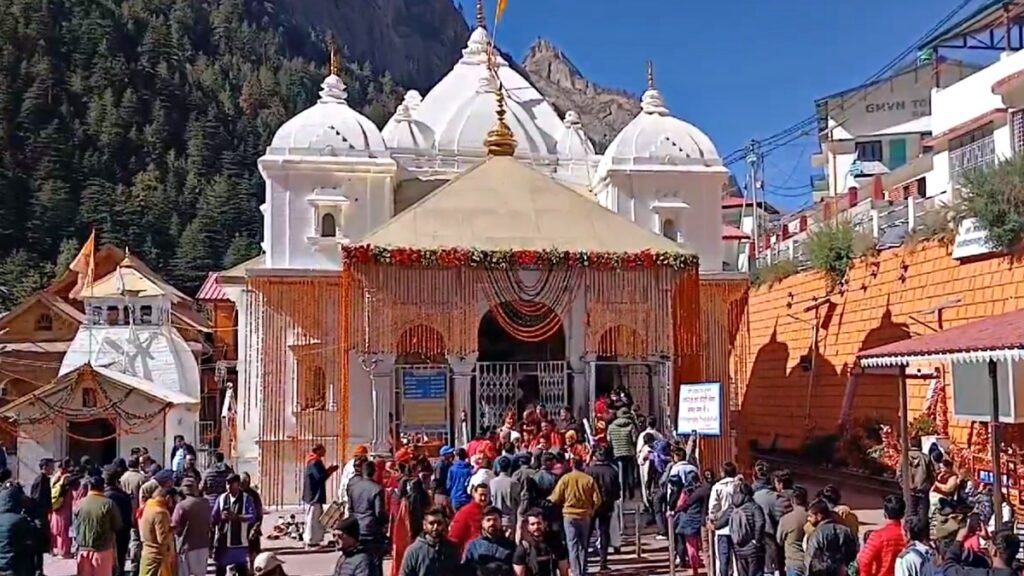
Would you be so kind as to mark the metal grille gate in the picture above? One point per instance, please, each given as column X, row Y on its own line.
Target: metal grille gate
column 499, row 388
column 646, row 382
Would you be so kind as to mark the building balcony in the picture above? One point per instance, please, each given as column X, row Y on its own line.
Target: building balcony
column 979, row 154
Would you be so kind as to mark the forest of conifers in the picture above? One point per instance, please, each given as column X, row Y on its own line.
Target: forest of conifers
column 143, row 120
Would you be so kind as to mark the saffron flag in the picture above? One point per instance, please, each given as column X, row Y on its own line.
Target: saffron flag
column 85, row 265
column 499, row 11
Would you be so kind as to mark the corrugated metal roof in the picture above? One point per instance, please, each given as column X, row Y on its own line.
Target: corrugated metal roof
column 994, row 337
column 211, row 289
column 733, row 233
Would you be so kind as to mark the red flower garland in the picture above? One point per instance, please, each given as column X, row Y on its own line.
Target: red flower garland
column 463, row 257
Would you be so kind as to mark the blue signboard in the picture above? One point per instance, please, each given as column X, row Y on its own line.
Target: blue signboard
column 424, row 400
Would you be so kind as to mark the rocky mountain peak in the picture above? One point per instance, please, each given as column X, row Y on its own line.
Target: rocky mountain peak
column 604, row 111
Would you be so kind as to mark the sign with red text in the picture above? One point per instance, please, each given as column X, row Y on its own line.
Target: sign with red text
column 700, row 409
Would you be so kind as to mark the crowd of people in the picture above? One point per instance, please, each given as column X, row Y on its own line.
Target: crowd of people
column 134, row 517
column 531, row 499
column 535, row 497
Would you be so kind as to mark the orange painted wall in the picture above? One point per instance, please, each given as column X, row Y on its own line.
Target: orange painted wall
column 886, row 299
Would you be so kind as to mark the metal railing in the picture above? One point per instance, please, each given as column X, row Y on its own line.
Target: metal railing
column 979, row 154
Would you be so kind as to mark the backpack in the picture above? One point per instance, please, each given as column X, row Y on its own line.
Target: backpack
column 741, row 528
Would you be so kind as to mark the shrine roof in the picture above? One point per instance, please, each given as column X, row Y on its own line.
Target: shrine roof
column 104, row 377
column 998, row 337
column 501, row 204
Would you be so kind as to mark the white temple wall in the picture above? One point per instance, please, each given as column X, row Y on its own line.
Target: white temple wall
column 698, row 225
column 293, row 215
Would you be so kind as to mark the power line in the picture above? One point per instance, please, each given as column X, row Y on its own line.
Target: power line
column 801, row 128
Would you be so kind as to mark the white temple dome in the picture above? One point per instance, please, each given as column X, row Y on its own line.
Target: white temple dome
column 474, row 117
column 457, row 95
column 656, row 140
column 329, row 128
column 573, row 143
column 404, row 132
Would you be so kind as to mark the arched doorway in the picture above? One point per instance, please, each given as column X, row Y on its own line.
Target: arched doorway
column 422, row 391
column 645, row 381
column 521, row 361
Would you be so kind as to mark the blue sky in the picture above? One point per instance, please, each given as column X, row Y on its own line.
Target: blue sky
column 738, row 70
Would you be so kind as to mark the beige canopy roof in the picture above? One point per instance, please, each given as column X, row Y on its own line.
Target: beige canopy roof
column 501, row 204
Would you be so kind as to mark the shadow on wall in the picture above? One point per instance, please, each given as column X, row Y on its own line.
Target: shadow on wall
column 774, row 411
column 876, row 397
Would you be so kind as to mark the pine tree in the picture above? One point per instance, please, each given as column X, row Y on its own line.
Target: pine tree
column 20, row 276
column 242, row 248
column 69, row 249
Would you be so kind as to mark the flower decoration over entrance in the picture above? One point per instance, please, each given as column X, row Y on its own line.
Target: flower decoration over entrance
column 505, row 259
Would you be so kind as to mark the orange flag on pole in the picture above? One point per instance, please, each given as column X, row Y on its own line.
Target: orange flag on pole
column 499, row 11
column 85, row 265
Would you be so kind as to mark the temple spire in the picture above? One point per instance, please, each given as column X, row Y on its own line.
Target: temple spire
column 481, row 18
column 650, row 75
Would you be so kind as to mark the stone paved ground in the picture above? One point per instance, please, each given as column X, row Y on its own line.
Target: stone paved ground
column 654, row 560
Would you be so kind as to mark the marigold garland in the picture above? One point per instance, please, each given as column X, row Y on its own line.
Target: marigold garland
column 504, row 259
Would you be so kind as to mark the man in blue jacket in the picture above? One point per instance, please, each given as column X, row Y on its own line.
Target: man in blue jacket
column 458, row 479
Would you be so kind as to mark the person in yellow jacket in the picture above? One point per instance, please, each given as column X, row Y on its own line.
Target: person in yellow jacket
column 159, row 552
column 579, row 496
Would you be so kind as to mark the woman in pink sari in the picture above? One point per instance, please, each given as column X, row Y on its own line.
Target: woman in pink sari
column 62, row 488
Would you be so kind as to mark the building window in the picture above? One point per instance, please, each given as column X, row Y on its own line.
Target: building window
column 979, row 133
column 145, row 314
column 113, row 315
column 312, row 389
column 1017, row 129
column 328, row 226
column 668, row 230
column 870, row 151
column 44, row 322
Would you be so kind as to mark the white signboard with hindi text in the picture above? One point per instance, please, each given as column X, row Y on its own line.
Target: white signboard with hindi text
column 700, row 409
column 971, row 240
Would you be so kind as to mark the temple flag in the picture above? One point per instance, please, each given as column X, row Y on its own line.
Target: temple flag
column 499, row 11
column 85, row 265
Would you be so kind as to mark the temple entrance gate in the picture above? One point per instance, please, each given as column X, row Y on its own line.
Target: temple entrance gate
column 505, row 386
column 518, row 365
column 647, row 382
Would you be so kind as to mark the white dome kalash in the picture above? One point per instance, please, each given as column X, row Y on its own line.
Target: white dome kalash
column 451, row 110
column 657, row 141
column 404, row 132
column 329, row 128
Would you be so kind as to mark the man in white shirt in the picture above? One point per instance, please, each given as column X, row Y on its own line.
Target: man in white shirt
column 719, row 505
column 349, row 472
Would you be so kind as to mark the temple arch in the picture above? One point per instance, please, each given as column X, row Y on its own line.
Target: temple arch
column 522, row 361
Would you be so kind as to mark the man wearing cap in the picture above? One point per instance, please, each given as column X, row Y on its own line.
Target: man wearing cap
column 191, row 521
column 354, row 559
column 268, row 564
column 233, row 513
column 439, row 482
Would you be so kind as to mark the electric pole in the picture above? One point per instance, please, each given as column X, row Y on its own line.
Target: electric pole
column 753, row 161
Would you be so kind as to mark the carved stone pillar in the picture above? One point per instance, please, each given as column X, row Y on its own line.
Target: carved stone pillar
column 382, row 388
column 463, row 368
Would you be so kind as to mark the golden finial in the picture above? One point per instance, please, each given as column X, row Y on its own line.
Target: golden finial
column 500, row 141
column 481, row 18
column 650, row 75
column 334, row 65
